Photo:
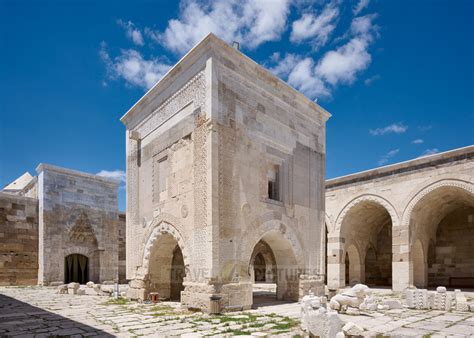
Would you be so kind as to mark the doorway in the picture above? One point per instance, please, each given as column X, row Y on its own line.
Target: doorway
column 76, row 269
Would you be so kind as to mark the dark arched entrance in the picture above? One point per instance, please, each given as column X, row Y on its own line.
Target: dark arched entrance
column 259, row 268
column 76, row 269
column 177, row 274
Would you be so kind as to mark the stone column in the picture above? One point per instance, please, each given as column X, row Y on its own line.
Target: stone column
column 402, row 267
column 336, row 265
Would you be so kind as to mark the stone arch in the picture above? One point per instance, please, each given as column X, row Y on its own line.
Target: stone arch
column 157, row 228
column 272, row 227
column 82, row 240
column 78, row 250
column 288, row 254
column 165, row 262
column 367, row 218
column 427, row 189
column 263, row 259
column 366, row 198
column 436, row 217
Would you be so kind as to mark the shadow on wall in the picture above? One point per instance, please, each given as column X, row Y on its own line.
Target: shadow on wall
column 19, row 318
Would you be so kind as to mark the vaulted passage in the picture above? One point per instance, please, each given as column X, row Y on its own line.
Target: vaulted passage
column 76, row 269
column 166, row 268
column 264, row 274
column 378, row 258
column 367, row 232
column 274, row 270
column 443, row 232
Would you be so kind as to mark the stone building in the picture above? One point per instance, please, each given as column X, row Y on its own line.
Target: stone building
column 411, row 223
column 61, row 226
column 225, row 170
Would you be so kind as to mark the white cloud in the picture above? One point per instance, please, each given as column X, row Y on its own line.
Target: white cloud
column 300, row 73
column 303, row 78
column 285, row 65
column 361, row 5
column 340, row 66
column 133, row 68
column 364, row 27
column 418, row 141
column 371, row 79
column 251, row 22
column 118, row 175
column 429, row 152
column 318, row 28
column 132, row 32
column 385, row 158
column 343, row 64
column 396, row 128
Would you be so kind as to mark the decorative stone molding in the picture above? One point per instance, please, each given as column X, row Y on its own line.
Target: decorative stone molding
column 193, row 91
column 157, row 228
column 70, row 250
column 460, row 184
column 367, row 198
column 82, row 231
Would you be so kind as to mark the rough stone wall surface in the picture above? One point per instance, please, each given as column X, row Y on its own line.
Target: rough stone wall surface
column 18, row 240
column 258, row 130
column 78, row 214
column 415, row 196
column 451, row 262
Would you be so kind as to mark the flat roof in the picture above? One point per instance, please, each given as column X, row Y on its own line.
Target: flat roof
column 202, row 46
column 401, row 167
column 44, row 166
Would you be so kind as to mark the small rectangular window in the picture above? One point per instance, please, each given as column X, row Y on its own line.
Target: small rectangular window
column 274, row 183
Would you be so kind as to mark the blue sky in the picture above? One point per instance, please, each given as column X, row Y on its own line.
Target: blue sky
column 397, row 76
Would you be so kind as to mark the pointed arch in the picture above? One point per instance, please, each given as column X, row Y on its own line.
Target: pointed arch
column 157, row 228
column 366, row 198
column 429, row 188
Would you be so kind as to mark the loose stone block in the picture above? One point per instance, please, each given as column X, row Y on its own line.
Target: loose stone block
column 417, row 298
column 352, row 329
column 392, row 304
column 461, row 301
column 442, row 300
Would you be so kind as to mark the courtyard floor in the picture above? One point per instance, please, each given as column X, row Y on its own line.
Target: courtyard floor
column 39, row 311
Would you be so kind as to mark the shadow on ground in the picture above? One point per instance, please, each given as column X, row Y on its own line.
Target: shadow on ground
column 262, row 299
column 19, row 318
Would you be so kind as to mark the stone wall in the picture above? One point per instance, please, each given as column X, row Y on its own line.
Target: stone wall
column 121, row 248
column 262, row 134
column 18, row 240
column 451, row 260
column 78, row 214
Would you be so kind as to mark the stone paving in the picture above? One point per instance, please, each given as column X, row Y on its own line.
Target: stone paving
column 39, row 311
